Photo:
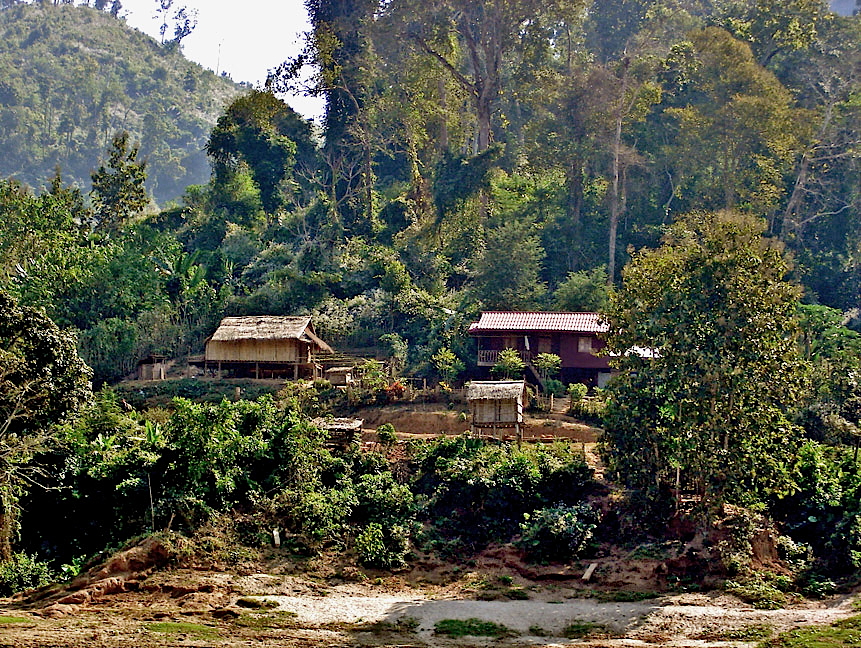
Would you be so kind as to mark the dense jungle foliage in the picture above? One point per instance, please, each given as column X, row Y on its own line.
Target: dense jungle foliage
column 691, row 168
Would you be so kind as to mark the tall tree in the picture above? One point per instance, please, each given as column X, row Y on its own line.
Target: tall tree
column 475, row 42
column 773, row 27
column 42, row 382
column 706, row 409
column 338, row 48
column 118, row 188
column 732, row 129
column 261, row 133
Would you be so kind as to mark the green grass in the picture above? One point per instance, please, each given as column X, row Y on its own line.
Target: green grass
column 256, row 603
column 843, row 634
column 623, row 596
column 4, row 620
column 193, row 629
column 472, row 628
column 581, row 629
column 277, row 619
column 754, row 632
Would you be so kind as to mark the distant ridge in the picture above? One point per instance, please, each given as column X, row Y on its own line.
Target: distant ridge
column 73, row 76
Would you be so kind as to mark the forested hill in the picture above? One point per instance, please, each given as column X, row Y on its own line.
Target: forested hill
column 73, row 76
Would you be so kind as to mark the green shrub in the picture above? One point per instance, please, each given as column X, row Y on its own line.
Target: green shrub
column 478, row 493
column 472, row 628
column 23, row 572
column 558, row 533
column 590, row 410
column 381, row 499
column 554, row 387
column 385, row 548
column 577, row 392
column 386, row 434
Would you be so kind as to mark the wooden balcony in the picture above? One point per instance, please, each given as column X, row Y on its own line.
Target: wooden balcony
column 489, row 357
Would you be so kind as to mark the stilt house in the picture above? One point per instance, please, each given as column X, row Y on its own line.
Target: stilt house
column 574, row 337
column 496, row 407
column 265, row 346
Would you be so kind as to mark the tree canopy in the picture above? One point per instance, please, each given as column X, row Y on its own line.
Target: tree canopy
column 705, row 332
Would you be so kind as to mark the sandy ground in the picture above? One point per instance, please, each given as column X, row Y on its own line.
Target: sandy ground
column 381, row 613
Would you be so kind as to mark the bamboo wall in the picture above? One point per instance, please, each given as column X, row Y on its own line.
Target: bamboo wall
column 496, row 411
column 258, row 351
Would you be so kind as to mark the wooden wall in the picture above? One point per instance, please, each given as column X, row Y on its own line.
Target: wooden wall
column 496, row 411
column 258, row 351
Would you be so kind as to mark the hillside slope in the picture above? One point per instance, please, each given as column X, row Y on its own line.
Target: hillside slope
column 74, row 76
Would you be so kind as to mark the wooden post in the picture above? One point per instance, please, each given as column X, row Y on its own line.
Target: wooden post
column 257, row 371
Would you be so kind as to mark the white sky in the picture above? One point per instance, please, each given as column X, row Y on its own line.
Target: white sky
column 246, row 39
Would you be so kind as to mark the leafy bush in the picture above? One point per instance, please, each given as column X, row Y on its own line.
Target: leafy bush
column 577, row 392
column 381, row 499
column 590, row 410
column 478, row 493
column 558, row 533
column 23, row 572
column 554, row 387
column 386, row 434
column 385, row 548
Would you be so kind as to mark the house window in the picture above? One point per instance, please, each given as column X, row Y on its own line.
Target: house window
column 584, row 345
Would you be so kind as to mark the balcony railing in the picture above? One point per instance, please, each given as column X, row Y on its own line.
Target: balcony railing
column 489, row 357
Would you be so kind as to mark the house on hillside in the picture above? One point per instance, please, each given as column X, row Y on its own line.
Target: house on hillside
column 574, row 337
column 496, row 407
column 265, row 346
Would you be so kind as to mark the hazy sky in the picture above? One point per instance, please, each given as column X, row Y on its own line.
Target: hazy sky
column 245, row 39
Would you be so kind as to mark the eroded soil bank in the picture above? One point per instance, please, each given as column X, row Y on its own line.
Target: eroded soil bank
column 133, row 600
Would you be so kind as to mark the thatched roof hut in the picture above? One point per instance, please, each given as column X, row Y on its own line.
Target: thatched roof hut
column 266, row 343
column 496, row 404
column 271, row 328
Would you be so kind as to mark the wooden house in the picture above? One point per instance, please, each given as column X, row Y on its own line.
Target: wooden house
column 265, row 346
column 574, row 337
column 496, row 407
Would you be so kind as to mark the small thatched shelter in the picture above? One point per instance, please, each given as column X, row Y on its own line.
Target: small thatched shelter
column 152, row 368
column 265, row 346
column 496, row 405
column 342, row 431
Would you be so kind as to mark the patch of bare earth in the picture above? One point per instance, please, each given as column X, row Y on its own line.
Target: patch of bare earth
column 418, row 420
column 133, row 600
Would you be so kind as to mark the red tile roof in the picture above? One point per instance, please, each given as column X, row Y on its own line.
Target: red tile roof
column 534, row 321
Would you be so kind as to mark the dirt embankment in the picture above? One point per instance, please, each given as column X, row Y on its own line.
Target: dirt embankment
column 417, row 420
column 134, row 600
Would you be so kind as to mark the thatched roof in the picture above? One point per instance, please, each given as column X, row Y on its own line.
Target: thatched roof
column 268, row 327
column 338, row 424
column 495, row 390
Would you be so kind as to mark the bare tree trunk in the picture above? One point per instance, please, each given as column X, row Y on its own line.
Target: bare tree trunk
column 615, row 189
column 443, row 105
